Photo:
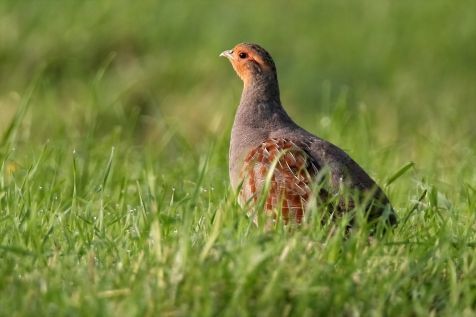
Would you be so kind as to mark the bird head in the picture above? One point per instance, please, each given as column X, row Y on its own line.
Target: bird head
column 251, row 62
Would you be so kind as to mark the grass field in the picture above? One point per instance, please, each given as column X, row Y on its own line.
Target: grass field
column 114, row 126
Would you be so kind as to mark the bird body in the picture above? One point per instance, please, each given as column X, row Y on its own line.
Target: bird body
column 267, row 145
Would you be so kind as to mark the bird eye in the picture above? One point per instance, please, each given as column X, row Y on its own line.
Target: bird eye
column 242, row 55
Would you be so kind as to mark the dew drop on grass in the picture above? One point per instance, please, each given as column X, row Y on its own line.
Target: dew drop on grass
column 325, row 121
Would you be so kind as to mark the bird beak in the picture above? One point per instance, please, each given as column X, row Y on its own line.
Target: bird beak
column 228, row 54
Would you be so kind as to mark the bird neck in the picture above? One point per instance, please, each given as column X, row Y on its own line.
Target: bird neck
column 260, row 106
column 261, row 88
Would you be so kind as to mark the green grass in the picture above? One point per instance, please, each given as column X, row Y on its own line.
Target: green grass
column 114, row 131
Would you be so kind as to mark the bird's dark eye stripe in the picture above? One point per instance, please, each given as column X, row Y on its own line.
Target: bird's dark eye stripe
column 242, row 55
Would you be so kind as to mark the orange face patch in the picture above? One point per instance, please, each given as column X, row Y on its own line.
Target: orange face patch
column 242, row 57
column 246, row 59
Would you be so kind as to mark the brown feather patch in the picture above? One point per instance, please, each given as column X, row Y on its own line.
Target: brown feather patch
column 290, row 182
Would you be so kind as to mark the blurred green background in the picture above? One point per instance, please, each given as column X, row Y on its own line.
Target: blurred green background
column 409, row 65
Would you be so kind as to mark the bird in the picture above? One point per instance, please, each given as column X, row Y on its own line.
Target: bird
column 273, row 158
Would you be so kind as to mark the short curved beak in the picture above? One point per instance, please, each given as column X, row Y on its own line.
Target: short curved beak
column 228, row 54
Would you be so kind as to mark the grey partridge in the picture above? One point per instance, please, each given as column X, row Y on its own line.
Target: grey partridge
column 271, row 155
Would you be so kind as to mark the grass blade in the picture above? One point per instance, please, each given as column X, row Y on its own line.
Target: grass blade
column 399, row 173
